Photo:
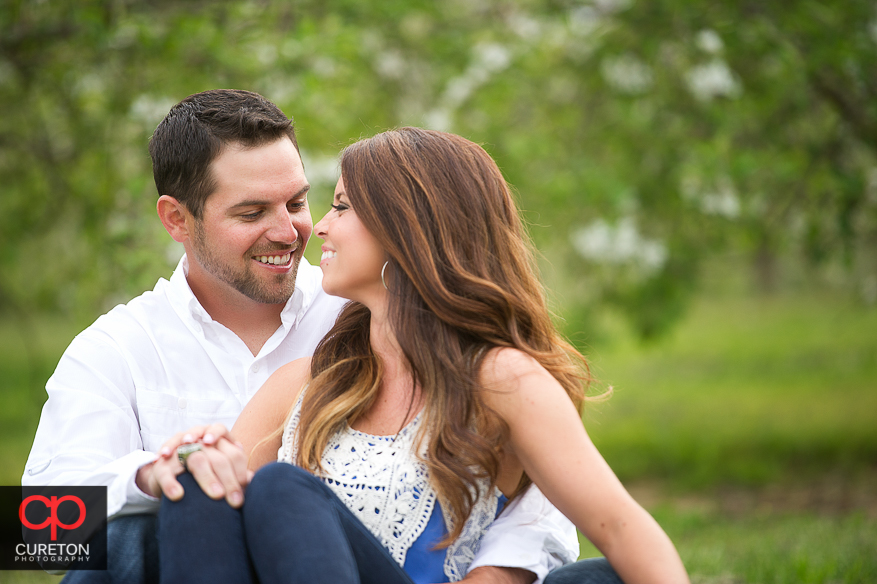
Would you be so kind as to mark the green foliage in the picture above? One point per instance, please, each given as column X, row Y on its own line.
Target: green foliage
column 29, row 355
column 642, row 137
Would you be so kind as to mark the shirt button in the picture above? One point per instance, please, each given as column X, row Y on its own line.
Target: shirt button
column 197, row 327
column 182, row 403
column 255, row 367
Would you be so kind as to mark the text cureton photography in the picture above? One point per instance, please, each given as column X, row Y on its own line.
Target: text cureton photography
column 52, row 552
column 53, row 528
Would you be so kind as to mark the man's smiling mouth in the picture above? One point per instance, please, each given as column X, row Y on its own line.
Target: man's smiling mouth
column 274, row 260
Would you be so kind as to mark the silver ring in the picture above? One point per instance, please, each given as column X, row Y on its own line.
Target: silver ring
column 184, row 451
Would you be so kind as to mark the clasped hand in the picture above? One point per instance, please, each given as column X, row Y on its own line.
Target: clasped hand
column 220, row 467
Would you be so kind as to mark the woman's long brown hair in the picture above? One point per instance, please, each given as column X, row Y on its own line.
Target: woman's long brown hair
column 462, row 280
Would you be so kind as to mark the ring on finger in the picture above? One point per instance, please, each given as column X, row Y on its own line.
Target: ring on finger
column 186, row 450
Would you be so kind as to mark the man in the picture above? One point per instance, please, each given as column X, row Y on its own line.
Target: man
column 240, row 304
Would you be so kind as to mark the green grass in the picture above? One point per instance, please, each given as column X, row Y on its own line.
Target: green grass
column 29, row 577
column 803, row 548
column 750, row 433
column 744, row 391
column 788, row 548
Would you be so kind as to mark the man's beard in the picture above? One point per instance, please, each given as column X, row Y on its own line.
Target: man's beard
column 243, row 280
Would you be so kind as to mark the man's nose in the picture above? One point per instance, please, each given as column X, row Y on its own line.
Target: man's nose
column 282, row 230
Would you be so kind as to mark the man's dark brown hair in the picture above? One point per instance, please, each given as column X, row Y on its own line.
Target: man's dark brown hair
column 195, row 131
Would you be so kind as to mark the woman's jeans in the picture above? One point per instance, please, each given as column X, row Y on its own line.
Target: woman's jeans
column 292, row 528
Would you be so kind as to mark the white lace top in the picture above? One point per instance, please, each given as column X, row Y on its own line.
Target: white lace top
column 384, row 484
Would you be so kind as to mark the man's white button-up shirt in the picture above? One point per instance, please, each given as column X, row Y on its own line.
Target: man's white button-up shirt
column 154, row 367
column 160, row 365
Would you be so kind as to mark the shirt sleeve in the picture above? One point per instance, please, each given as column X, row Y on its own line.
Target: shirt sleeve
column 530, row 534
column 89, row 432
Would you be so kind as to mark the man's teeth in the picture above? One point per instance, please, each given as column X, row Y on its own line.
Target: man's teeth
column 328, row 254
column 275, row 260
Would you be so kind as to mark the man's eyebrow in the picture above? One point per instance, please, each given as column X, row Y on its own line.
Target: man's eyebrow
column 257, row 202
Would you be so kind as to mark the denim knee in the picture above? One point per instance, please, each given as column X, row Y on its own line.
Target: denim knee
column 587, row 571
column 280, row 479
column 201, row 539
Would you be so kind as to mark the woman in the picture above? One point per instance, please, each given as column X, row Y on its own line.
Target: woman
column 442, row 390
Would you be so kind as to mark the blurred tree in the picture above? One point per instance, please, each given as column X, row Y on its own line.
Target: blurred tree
column 742, row 124
column 642, row 137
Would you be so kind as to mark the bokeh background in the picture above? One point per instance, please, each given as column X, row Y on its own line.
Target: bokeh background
column 699, row 177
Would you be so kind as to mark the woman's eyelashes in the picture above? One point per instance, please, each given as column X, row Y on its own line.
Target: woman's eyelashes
column 340, row 207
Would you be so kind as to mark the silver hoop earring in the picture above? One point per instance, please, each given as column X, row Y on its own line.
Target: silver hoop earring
column 384, row 269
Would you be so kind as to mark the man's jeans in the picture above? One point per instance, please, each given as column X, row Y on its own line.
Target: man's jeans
column 589, row 571
column 132, row 556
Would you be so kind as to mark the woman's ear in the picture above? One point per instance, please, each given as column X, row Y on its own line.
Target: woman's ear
column 174, row 215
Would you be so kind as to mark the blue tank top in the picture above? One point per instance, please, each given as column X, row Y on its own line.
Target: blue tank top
column 424, row 563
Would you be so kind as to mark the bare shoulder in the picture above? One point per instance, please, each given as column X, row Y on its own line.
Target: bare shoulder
column 294, row 371
column 510, row 376
column 505, row 365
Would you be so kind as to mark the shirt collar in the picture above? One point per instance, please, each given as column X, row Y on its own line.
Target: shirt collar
column 307, row 285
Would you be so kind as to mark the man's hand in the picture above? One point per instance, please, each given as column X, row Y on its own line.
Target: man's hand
column 220, row 467
column 497, row 575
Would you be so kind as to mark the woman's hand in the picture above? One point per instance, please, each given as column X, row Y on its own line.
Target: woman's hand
column 220, row 467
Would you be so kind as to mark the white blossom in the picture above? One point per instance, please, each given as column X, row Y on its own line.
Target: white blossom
column 487, row 59
column 492, row 57
column 265, row 53
column 621, row 244
column 524, row 26
column 438, row 119
column 584, row 20
column 724, row 203
column 321, row 169
column 709, row 41
column 627, row 74
column 712, row 80
column 721, row 199
column 390, row 64
column 150, row 110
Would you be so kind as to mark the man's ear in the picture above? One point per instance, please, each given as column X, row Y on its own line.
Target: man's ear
column 175, row 218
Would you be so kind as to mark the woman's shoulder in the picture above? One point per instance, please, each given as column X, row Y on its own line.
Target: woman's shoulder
column 509, row 375
column 504, row 365
column 297, row 370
